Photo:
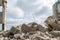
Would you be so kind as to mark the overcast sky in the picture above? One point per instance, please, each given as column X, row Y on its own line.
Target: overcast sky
column 25, row 11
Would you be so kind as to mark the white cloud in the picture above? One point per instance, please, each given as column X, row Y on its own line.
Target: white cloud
column 18, row 21
column 18, row 9
column 34, row 6
column 14, row 11
column 19, row 12
column 11, row 2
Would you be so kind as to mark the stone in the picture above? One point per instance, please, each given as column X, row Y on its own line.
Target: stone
column 52, row 24
column 17, row 36
column 42, row 29
column 30, row 31
column 14, row 30
column 55, row 33
column 25, row 28
column 6, row 38
column 32, row 27
column 35, row 27
column 36, row 38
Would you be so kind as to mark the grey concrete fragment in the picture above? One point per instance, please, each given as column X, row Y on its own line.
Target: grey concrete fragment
column 14, row 30
column 52, row 24
column 55, row 33
column 17, row 36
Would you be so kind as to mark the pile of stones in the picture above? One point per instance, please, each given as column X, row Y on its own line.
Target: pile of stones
column 33, row 31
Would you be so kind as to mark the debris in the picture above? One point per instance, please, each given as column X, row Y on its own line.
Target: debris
column 32, row 27
column 52, row 24
column 13, row 30
column 33, row 31
column 25, row 28
column 55, row 33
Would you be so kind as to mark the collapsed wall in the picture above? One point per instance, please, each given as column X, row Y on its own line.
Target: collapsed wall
column 33, row 31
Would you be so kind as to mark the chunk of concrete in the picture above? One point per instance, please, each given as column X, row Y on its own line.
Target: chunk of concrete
column 35, row 27
column 14, row 30
column 52, row 24
column 55, row 33
column 25, row 28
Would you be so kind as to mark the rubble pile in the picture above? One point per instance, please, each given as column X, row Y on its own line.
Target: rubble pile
column 33, row 31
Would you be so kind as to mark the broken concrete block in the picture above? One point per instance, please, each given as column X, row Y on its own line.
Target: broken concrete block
column 52, row 24
column 34, row 27
column 42, row 29
column 25, row 28
column 5, row 33
column 13, row 30
column 36, row 38
column 55, row 33
column 17, row 36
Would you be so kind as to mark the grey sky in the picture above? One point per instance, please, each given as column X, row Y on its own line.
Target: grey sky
column 25, row 11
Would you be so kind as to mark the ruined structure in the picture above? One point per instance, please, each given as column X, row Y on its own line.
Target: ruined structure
column 56, row 11
column 33, row 30
column 3, row 4
column 53, row 22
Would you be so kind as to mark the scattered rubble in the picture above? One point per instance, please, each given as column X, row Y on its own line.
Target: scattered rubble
column 33, row 31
